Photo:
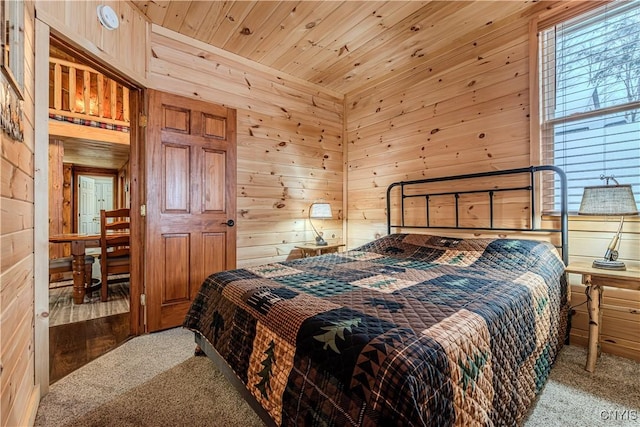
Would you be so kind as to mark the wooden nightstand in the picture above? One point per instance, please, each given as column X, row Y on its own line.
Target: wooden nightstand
column 311, row 249
column 594, row 279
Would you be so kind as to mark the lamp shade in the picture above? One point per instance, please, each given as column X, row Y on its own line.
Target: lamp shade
column 320, row 210
column 608, row 200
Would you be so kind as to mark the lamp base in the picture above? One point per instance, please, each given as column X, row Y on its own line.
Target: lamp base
column 320, row 241
column 608, row 265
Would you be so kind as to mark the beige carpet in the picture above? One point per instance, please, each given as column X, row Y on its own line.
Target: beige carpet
column 194, row 392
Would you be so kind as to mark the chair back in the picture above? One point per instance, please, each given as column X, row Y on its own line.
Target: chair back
column 114, row 244
column 114, row 232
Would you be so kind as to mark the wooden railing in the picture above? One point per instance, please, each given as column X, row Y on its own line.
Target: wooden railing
column 80, row 92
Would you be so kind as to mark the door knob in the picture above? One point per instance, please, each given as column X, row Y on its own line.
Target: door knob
column 230, row 223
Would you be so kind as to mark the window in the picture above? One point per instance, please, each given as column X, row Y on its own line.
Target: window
column 590, row 99
column 12, row 42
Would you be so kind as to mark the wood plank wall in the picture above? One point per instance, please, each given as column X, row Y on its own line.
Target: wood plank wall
column 122, row 49
column 18, row 347
column 467, row 106
column 466, row 109
column 56, row 197
column 17, row 387
column 289, row 142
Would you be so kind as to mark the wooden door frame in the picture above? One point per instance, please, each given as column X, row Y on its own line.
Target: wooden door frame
column 137, row 192
column 43, row 33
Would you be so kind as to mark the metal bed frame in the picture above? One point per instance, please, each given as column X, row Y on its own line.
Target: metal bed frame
column 531, row 188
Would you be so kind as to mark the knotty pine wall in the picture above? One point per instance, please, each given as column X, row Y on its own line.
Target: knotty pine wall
column 77, row 21
column 20, row 395
column 289, row 142
column 23, row 307
column 465, row 109
column 59, row 208
column 466, row 104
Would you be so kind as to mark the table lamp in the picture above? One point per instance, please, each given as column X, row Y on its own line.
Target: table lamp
column 609, row 200
column 319, row 211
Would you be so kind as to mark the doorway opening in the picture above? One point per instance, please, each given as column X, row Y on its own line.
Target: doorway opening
column 95, row 193
column 90, row 144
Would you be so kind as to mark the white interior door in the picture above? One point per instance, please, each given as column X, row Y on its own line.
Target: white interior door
column 87, row 206
column 104, row 194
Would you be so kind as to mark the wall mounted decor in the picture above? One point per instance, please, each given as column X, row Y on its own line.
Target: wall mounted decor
column 10, row 111
column 12, row 67
column 12, row 42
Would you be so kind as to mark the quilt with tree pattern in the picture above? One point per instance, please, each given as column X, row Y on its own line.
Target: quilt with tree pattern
column 406, row 330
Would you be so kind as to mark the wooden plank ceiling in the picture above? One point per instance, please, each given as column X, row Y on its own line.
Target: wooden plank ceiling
column 95, row 154
column 340, row 45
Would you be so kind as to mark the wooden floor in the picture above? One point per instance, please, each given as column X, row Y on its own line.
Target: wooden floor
column 62, row 309
column 72, row 343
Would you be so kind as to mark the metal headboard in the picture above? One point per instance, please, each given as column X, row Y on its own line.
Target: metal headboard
column 564, row 219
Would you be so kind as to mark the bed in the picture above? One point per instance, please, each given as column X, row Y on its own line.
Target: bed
column 409, row 329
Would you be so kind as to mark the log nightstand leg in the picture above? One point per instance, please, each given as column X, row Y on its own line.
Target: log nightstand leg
column 595, row 281
column 593, row 303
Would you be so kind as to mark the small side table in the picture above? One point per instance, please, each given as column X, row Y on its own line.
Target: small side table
column 594, row 279
column 311, row 249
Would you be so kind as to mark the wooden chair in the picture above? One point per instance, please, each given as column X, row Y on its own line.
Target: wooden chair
column 114, row 245
column 65, row 265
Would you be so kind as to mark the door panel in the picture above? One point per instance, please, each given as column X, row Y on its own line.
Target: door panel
column 213, row 192
column 176, row 178
column 176, row 248
column 104, row 195
column 213, row 259
column 214, row 126
column 87, row 209
column 191, row 194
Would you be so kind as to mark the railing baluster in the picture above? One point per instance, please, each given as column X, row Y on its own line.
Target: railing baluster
column 125, row 104
column 72, row 89
column 113, row 98
column 57, row 86
column 86, row 91
column 100, row 95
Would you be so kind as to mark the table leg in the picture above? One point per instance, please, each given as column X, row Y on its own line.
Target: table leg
column 77, row 250
column 593, row 304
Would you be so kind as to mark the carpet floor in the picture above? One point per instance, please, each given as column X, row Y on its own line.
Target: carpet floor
column 158, row 382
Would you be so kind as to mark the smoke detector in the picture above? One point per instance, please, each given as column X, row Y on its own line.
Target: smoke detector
column 108, row 17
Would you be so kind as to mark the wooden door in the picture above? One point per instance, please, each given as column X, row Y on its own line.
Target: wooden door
column 191, row 202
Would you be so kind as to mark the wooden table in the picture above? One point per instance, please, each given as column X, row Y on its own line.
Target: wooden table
column 79, row 243
column 594, row 279
column 311, row 249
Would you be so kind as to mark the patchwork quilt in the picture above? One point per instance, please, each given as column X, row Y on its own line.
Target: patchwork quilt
column 406, row 330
